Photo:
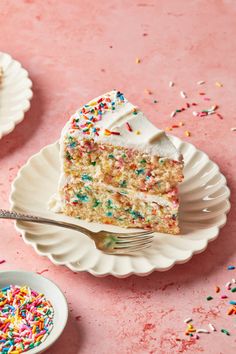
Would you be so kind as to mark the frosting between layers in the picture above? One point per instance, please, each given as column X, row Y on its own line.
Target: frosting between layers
column 133, row 194
column 55, row 203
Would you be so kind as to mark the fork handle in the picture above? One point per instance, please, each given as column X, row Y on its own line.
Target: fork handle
column 6, row 214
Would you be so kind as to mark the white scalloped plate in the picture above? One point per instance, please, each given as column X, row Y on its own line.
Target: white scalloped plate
column 204, row 204
column 15, row 94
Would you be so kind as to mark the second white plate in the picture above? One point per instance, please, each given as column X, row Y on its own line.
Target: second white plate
column 15, row 93
column 204, row 204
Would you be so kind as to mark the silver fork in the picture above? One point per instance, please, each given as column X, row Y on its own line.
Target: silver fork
column 105, row 241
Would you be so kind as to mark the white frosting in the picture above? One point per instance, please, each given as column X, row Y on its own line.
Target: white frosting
column 151, row 140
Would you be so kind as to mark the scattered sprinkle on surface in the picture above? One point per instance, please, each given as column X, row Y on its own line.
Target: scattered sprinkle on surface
column 183, row 94
column 231, row 310
column 2, row 261
column 217, row 289
column 225, row 332
column 187, row 133
column 42, row 271
column 202, row 330
column 209, row 298
column 137, row 60
column 231, row 267
column 187, row 320
column 202, row 113
column 232, row 302
column 191, row 329
column 212, row 328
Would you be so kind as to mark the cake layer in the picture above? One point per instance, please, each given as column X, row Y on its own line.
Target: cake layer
column 98, row 203
column 120, row 167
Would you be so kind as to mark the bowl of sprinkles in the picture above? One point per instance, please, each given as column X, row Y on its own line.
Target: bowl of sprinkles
column 33, row 312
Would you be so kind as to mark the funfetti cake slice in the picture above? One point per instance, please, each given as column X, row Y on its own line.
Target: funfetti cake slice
column 118, row 168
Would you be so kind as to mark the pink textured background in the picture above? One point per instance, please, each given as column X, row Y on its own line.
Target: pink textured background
column 76, row 50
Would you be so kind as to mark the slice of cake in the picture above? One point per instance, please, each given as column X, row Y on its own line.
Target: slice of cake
column 118, row 168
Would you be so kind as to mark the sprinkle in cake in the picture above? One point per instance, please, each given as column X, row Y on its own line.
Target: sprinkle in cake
column 118, row 168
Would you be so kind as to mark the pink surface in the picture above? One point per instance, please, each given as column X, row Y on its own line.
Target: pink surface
column 76, row 50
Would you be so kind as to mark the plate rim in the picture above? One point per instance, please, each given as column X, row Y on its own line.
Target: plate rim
column 127, row 274
column 21, row 113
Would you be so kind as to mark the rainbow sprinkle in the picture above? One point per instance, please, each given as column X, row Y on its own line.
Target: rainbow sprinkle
column 183, row 94
column 129, row 127
column 231, row 267
column 200, row 82
column 192, row 330
column 209, row 298
column 86, row 119
column 187, row 133
column 225, row 332
column 204, row 113
column 212, row 328
column 26, row 319
column 217, row 289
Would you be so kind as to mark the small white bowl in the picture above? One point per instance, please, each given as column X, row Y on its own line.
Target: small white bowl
column 51, row 292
